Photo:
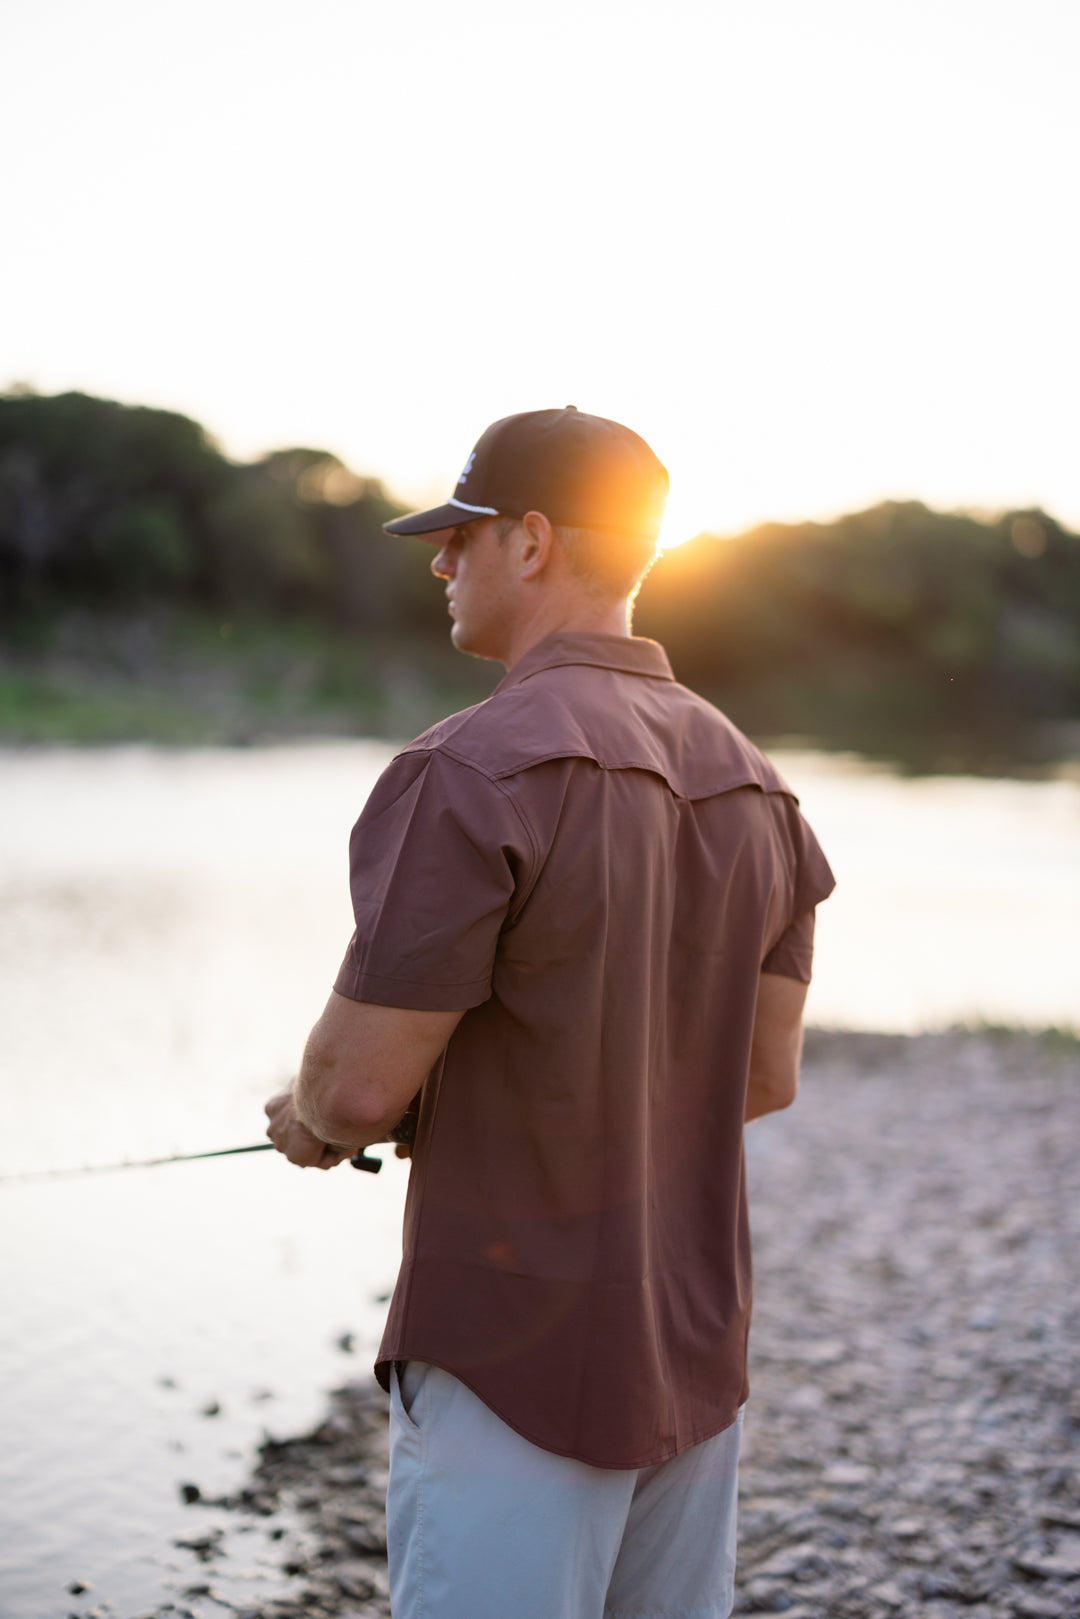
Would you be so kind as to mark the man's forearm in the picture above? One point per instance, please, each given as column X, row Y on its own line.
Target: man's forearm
column 363, row 1065
column 331, row 1101
column 776, row 1048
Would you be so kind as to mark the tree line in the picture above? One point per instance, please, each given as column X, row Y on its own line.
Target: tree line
column 897, row 619
column 113, row 506
column 895, row 616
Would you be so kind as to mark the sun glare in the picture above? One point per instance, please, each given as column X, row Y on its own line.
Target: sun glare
column 682, row 522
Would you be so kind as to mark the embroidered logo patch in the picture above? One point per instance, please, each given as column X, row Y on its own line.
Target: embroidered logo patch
column 467, row 469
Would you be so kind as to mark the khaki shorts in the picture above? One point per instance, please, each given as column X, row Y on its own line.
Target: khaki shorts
column 481, row 1524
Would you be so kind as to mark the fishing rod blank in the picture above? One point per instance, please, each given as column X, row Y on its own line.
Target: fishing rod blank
column 359, row 1160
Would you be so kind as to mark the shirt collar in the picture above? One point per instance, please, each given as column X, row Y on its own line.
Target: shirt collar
column 631, row 655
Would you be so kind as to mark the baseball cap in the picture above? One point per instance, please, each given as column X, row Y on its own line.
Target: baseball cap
column 581, row 471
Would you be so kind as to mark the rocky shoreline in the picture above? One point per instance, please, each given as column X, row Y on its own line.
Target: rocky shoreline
column 912, row 1444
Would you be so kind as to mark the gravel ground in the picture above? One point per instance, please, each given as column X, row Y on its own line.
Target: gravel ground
column 913, row 1437
column 912, row 1440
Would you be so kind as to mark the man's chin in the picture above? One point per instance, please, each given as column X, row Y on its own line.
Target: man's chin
column 462, row 642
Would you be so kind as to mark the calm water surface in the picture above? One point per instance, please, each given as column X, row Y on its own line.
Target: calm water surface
column 170, row 924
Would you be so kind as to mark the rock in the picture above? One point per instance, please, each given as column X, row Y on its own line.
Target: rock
column 1055, row 1517
column 763, row 1596
column 1038, row 1607
column 889, row 1593
column 847, row 1474
column 984, row 1319
column 354, row 1580
column 801, row 1562
column 204, row 1546
column 346, row 1477
column 1050, row 1567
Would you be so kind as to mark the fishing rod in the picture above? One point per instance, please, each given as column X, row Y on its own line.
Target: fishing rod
column 359, row 1160
column 403, row 1134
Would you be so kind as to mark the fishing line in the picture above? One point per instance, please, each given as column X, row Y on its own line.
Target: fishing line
column 359, row 1160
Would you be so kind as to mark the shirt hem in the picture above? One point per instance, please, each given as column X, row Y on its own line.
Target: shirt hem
column 649, row 1459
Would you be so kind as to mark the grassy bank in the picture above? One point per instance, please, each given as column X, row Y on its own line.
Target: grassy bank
column 178, row 677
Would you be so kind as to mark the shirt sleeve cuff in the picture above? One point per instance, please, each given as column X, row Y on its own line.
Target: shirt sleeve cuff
column 357, row 985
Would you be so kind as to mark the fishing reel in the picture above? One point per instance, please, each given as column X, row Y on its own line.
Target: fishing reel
column 403, row 1133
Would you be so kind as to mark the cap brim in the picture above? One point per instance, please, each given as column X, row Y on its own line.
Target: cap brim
column 426, row 522
column 452, row 515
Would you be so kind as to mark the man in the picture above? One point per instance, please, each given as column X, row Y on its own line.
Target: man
column 584, row 920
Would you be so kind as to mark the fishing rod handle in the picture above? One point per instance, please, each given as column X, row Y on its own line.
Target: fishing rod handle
column 404, row 1133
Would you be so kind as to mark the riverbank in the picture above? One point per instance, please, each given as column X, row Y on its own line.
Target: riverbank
column 912, row 1435
column 178, row 677
column 175, row 676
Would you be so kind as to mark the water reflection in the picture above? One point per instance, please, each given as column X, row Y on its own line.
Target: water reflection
column 956, row 901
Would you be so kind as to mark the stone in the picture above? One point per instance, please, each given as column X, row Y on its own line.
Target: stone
column 354, row 1580
column 1050, row 1567
column 847, row 1474
column 766, row 1597
column 888, row 1592
column 368, row 1538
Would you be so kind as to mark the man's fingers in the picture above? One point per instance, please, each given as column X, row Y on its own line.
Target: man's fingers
column 331, row 1158
column 295, row 1140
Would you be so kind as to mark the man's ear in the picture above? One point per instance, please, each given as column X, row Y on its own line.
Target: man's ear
column 537, row 539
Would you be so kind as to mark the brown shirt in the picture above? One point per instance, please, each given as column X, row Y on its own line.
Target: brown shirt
column 597, row 865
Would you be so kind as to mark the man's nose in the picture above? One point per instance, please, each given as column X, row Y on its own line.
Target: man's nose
column 441, row 565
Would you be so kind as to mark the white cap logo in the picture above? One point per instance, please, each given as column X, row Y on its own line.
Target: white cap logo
column 467, row 469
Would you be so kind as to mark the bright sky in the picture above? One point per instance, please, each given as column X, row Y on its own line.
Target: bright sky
column 819, row 254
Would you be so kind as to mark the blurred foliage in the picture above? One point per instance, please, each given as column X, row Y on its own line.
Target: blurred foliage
column 105, row 505
column 936, row 638
column 898, row 631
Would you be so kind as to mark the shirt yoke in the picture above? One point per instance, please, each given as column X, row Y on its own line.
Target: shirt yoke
column 618, row 720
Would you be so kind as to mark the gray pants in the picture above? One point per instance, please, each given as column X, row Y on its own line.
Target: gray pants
column 481, row 1524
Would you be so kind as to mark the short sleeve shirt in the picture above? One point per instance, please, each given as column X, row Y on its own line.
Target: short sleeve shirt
column 596, row 866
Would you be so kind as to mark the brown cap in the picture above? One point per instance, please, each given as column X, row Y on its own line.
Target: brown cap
column 581, row 471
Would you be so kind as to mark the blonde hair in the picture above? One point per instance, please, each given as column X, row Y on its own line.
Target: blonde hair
column 614, row 565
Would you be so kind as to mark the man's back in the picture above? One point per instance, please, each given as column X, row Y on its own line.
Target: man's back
column 604, row 867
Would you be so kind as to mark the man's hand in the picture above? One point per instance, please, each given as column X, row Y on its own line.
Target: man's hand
column 295, row 1140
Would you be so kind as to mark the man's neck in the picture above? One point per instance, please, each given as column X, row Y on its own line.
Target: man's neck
column 583, row 616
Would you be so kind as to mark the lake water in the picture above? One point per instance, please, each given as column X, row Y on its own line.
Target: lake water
column 170, row 924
